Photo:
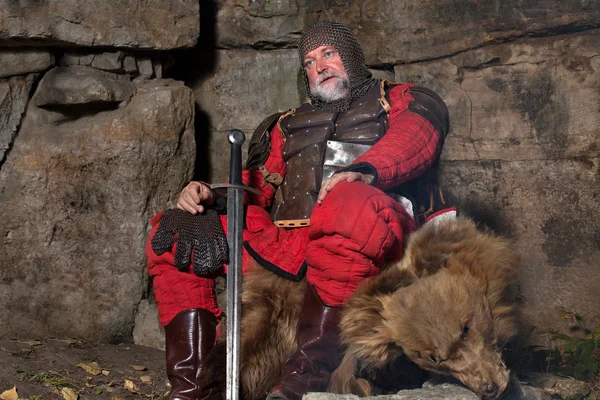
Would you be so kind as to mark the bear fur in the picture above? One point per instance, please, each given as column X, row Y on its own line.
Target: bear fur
column 448, row 306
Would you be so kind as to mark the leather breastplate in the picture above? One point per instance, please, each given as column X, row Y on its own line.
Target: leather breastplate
column 318, row 144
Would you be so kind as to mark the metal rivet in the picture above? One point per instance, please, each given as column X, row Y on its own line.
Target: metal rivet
column 284, row 152
column 353, row 119
column 307, row 130
column 299, row 154
column 297, row 176
column 355, row 128
column 313, row 168
column 360, row 104
column 306, row 216
column 287, row 162
column 378, row 124
column 293, row 197
column 293, row 115
column 315, row 145
column 282, row 201
column 306, row 193
column 309, row 120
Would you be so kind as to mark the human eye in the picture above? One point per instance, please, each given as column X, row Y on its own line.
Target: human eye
column 308, row 63
column 329, row 53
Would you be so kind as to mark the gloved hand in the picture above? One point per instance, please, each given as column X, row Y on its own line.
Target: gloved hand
column 201, row 233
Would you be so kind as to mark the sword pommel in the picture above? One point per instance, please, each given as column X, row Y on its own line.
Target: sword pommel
column 236, row 137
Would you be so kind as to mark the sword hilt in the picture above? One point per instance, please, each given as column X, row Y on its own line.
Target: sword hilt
column 236, row 139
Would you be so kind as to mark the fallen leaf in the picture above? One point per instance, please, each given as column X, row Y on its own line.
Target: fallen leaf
column 115, row 397
column 105, row 372
column 129, row 385
column 33, row 342
column 91, row 368
column 69, row 394
column 146, row 378
column 139, row 367
column 9, row 394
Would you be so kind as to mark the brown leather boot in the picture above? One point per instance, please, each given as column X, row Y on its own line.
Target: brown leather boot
column 319, row 350
column 189, row 337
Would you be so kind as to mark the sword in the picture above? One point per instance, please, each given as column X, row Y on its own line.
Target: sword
column 235, row 227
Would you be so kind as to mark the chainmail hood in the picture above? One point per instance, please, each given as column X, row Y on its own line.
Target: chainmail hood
column 332, row 33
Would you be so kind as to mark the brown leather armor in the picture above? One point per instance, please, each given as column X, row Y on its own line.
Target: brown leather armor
column 320, row 143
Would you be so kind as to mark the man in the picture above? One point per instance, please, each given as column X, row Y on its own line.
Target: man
column 322, row 170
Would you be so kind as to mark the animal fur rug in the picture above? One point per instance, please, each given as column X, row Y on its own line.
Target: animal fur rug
column 447, row 306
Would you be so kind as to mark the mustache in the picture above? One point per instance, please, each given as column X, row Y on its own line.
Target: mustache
column 326, row 75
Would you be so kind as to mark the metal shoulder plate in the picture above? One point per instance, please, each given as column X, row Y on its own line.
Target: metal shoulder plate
column 260, row 143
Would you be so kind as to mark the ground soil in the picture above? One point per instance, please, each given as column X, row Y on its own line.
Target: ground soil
column 40, row 370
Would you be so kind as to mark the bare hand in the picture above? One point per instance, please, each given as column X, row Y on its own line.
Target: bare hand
column 342, row 176
column 194, row 196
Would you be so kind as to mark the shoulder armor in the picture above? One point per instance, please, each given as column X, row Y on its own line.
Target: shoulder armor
column 260, row 143
column 430, row 106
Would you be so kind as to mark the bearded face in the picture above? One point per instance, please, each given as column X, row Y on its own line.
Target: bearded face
column 327, row 78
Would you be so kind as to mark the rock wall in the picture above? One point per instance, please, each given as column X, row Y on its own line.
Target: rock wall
column 95, row 137
column 92, row 143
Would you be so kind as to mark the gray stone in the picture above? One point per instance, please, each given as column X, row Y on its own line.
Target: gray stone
column 443, row 391
column 248, row 86
column 113, row 61
column 145, row 67
column 564, row 387
column 75, row 201
column 532, row 99
column 23, row 61
column 77, row 85
column 270, row 24
column 153, row 24
column 394, row 32
column 147, row 330
column 14, row 96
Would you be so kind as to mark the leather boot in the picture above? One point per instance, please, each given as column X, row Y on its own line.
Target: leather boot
column 189, row 338
column 319, row 350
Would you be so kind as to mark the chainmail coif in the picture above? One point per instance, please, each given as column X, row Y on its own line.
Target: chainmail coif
column 200, row 234
column 332, row 33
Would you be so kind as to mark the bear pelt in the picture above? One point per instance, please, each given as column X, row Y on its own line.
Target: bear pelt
column 448, row 306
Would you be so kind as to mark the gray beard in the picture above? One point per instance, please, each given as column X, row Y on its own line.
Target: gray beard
column 341, row 91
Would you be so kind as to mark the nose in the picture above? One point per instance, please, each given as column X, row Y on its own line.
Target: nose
column 488, row 389
column 321, row 66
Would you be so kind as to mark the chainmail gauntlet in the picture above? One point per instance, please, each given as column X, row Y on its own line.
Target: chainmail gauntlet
column 199, row 234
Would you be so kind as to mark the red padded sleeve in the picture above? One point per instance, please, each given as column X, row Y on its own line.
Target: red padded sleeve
column 409, row 147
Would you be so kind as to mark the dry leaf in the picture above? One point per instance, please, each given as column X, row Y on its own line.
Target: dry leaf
column 9, row 394
column 69, row 394
column 139, row 367
column 146, row 378
column 33, row 342
column 129, row 385
column 91, row 368
column 105, row 372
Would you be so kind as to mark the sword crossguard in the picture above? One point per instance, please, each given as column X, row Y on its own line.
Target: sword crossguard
column 234, row 186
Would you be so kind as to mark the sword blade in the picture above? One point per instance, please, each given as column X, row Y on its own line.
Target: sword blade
column 235, row 226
